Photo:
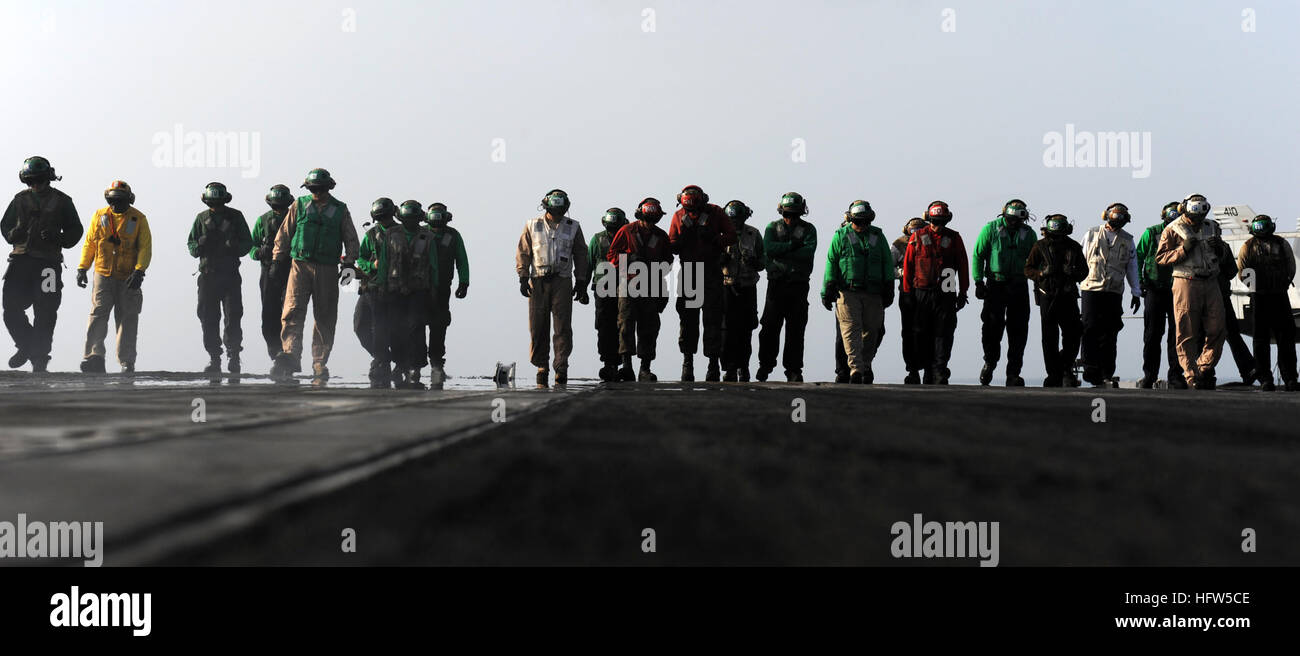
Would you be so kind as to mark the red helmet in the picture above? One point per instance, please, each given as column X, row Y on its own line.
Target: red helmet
column 692, row 197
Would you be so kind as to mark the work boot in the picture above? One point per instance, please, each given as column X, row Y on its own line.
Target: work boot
column 93, row 365
column 19, row 359
column 843, row 378
column 645, row 375
column 1249, row 377
column 128, row 368
column 1207, row 383
column 605, row 373
column 39, row 364
column 942, row 377
column 1052, row 381
column 688, row 369
column 1014, row 379
column 282, row 370
column 625, row 374
column 1113, row 382
column 437, row 376
column 1267, row 385
column 712, row 374
column 868, row 377
column 986, row 374
column 914, row 378
column 763, row 372
column 233, row 366
column 561, row 376
column 1069, row 380
column 927, row 378
column 543, row 378
column 731, row 376
column 793, row 376
column 855, row 378
column 1148, row 381
column 1177, row 382
column 744, row 374
column 320, row 374
column 1291, row 386
column 214, row 365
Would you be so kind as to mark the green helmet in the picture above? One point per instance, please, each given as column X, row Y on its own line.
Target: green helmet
column 613, row 219
column 1015, row 208
column 556, row 199
column 737, row 211
column 410, row 211
column 382, row 208
column 1057, row 225
column 36, row 169
column 1262, row 225
column 318, row 178
column 215, row 194
column 279, row 197
column 793, row 203
column 860, row 212
column 437, row 214
column 1169, row 212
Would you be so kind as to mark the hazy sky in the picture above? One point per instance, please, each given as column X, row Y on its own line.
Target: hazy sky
column 890, row 106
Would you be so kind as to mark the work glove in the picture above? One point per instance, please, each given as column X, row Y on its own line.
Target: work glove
column 580, row 294
column 524, row 288
column 280, row 271
column 135, row 280
column 961, row 302
column 82, row 278
column 261, row 253
column 347, row 273
column 887, row 297
column 1135, row 304
column 828, row 301
column 981, row 290
column 1143, row 290
column 461, row 290
column 1047, row 270
column 1189, row 244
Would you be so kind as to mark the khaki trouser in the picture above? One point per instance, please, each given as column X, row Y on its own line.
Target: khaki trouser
column 318, row 283
column 861, row 316
column 111, row 295
column 1198, row 314
column 551, row 301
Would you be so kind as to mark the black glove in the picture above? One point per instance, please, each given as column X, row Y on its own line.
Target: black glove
column 980, row 289
column 887, row 297
column 1135, row 304
column 1143, row 290
column 524, row 287
column 18, row 234
column 828, row 301
column 49, row 235
column 962, row 301
column 135, row 280
column 461, row 290
column 580, row 294
column 261, row 253
column 82, row 278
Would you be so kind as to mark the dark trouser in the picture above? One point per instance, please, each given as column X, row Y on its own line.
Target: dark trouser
column 364, row 323
column 934, row 325
column 1159, row 318
column 272, row 310
column 220, row 294
column 407, row 316
column 1103, row 318
column 34, row 283
column 1006, row 307
column 786, row 303
column 1240, row 351
column 740, row 318
column 710, row 288
column 607, row 329
column 1273, row 319
column 1062, row 329
column 373, row 322
column 638, row 326
column 907, row 317
column 439, row 319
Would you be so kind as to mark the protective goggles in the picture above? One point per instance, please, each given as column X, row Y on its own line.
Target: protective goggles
column 1197, row 206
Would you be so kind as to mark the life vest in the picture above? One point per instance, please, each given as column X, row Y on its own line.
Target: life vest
column 553, row 247
column 736, row 270
column 1203, row 261
column 318, row 232
column 117, row 260
column 446, row 243
column 1107, row 262
column 928, row 252
column 1271, row 260
column 408, row 259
